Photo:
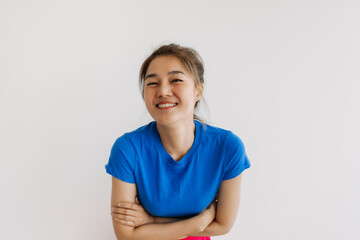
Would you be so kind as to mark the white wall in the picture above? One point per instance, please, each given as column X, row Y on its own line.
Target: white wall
column 283, row 75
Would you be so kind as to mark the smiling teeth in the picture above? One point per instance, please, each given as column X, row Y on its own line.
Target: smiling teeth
column 167, row 105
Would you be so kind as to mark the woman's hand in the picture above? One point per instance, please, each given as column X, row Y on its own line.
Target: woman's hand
column 207, row 216
column 131, row 214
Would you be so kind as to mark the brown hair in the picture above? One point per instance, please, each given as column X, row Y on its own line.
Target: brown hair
column 188, row 56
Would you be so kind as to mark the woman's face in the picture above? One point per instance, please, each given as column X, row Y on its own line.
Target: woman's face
column 169, row 91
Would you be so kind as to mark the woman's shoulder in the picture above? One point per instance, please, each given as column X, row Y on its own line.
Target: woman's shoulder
column 215, row 131
column 140, row 134
column 220, row 135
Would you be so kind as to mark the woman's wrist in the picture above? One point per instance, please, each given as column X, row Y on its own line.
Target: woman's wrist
column 206, row 217
column 200, row 222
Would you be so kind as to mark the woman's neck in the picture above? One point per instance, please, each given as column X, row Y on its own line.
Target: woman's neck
column 177, row 139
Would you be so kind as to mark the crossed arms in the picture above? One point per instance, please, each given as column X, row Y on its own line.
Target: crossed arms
column 217, row 220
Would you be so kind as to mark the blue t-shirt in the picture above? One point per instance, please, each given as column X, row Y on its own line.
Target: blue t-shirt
column 169, row 188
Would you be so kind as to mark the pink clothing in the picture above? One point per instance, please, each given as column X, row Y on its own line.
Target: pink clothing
column 197, row 238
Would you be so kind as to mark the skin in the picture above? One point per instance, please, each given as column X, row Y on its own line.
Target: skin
column 167, row 81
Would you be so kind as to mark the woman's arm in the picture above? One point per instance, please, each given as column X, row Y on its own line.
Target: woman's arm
column 226, row 210
column 134, row 214
column 122, row 191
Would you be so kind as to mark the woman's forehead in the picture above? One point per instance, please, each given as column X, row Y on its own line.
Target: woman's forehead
column 166, row 64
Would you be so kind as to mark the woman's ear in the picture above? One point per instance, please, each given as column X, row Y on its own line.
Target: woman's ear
column 199, row 91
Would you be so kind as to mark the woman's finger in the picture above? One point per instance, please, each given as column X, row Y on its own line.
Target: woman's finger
column 124, row 211
column 125, row 222
column 124, row 217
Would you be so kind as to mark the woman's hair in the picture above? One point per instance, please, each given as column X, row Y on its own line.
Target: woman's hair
column 188, row 56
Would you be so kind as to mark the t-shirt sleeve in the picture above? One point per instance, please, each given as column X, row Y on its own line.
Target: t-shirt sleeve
column 236, row 160
column 122, row 160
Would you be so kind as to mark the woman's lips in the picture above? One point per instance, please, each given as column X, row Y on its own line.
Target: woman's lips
column 166, row 105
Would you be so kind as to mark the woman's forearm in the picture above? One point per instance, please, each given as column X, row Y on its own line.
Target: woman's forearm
column 164, row 231
column 214, row 229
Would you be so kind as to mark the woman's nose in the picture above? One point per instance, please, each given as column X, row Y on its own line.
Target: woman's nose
column 164, row 90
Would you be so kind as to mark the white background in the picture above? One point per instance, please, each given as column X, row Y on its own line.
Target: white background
column 283, row 75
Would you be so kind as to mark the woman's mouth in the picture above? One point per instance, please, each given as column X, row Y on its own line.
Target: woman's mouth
column 166, row 105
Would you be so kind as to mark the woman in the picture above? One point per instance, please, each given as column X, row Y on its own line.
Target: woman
column 186, row 174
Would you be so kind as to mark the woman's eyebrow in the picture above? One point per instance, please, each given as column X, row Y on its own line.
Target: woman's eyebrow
column 150, row 76
column 169, row 73
column 175, row 72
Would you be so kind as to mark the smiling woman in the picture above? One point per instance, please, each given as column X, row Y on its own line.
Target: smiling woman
column 189, row 60
column 175, row 177
column 170, row 92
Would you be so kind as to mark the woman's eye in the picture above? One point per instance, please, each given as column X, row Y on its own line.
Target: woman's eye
column 151, row 83
column 177, row 80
